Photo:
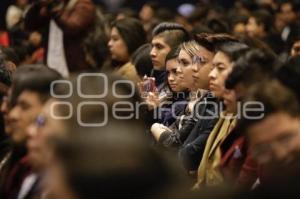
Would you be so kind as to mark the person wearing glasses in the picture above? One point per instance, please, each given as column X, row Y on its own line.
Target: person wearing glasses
column 209, row 170
column 194, row 64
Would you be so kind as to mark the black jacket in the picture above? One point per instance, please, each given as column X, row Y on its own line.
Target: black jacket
column 204, row 107
column 191, row 151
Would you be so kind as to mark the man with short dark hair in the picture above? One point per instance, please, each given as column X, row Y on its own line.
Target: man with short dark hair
column 30, row 89
column 274, row 132
column 166, row 36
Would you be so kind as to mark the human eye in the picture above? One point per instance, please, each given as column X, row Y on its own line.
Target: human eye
column 159, row 46
column 185, row 63
column 220, row 67
column 24, row 106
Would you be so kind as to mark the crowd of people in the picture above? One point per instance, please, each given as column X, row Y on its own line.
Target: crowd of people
column 198, row 102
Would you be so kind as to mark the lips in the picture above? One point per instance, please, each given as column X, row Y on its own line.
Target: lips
column 195, row 77
column 173, row 85
column 212, row 86
column 154, row 62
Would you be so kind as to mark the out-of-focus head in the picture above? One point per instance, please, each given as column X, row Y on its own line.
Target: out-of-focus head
column 30, row 89
column 289, row 75
column 226, row 54
column 254, row 66
column 287, row 12
column 126, row 36
column 272, row 123
column 108, row 159
column 259, row 24
column 44, row 127
column 148, row 10
column 141, row 59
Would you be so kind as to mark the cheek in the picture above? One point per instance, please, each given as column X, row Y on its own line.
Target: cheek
column 221, row 78
column 162, row 55
column 188, row 72
column 204, row 72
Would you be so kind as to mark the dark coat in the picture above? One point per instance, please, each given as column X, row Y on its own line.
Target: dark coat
column 238, row 166
column 190, row 153
column 177, row 137
column 75, row 24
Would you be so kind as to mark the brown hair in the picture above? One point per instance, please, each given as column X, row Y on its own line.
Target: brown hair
column 275, row 98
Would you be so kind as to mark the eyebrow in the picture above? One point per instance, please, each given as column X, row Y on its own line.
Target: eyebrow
column 219, row 64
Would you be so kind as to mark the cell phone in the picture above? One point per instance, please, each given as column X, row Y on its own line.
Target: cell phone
column 149, row 84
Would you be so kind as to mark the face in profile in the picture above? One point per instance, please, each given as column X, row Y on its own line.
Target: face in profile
column 118, row 47
column 185, row 69
column 159, row 52
column 40, row 131
column 5, row 109
column 221, row 68
column 275, row 141
column 174, row 79
column 56, row 182
column 254, row 29
column 146, row 13
column 295, row 51
column 230, row 101
column 201, row 68
column 25, row 111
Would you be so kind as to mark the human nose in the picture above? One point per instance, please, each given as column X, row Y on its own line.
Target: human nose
column 153, row 52
column 110, row 43
column 212, row 74
column 31, row 130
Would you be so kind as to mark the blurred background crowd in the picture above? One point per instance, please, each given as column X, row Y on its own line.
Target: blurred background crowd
column 199, row 99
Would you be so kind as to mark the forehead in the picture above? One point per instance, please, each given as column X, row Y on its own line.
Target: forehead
column 204, row 52
column 30, row 97
column 184, row 55
column 272, row 127
column 221, row 57
column 171, row 64
column 115, row 31
column 252, row 20
column 286, row 7
column 159, row 40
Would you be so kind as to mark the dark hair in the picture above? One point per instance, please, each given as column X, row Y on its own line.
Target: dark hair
column 164, row 14
column 289, row 75
column 112, row 164
column 152, row 4
column 173, row 33
column 9, row 54
column 200, row 28
column 132, row 32
column 210, row 41
column 218, row 25
column 128, row 12
column 37, row 78
column 232, row 49
column 141, row 59
column 5, row 73
column 275, row 98
column 263, row 17
column 173, row 54
column 253, row 66
column 236, row 18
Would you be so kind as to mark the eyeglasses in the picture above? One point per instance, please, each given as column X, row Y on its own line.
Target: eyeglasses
column 199, row 60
